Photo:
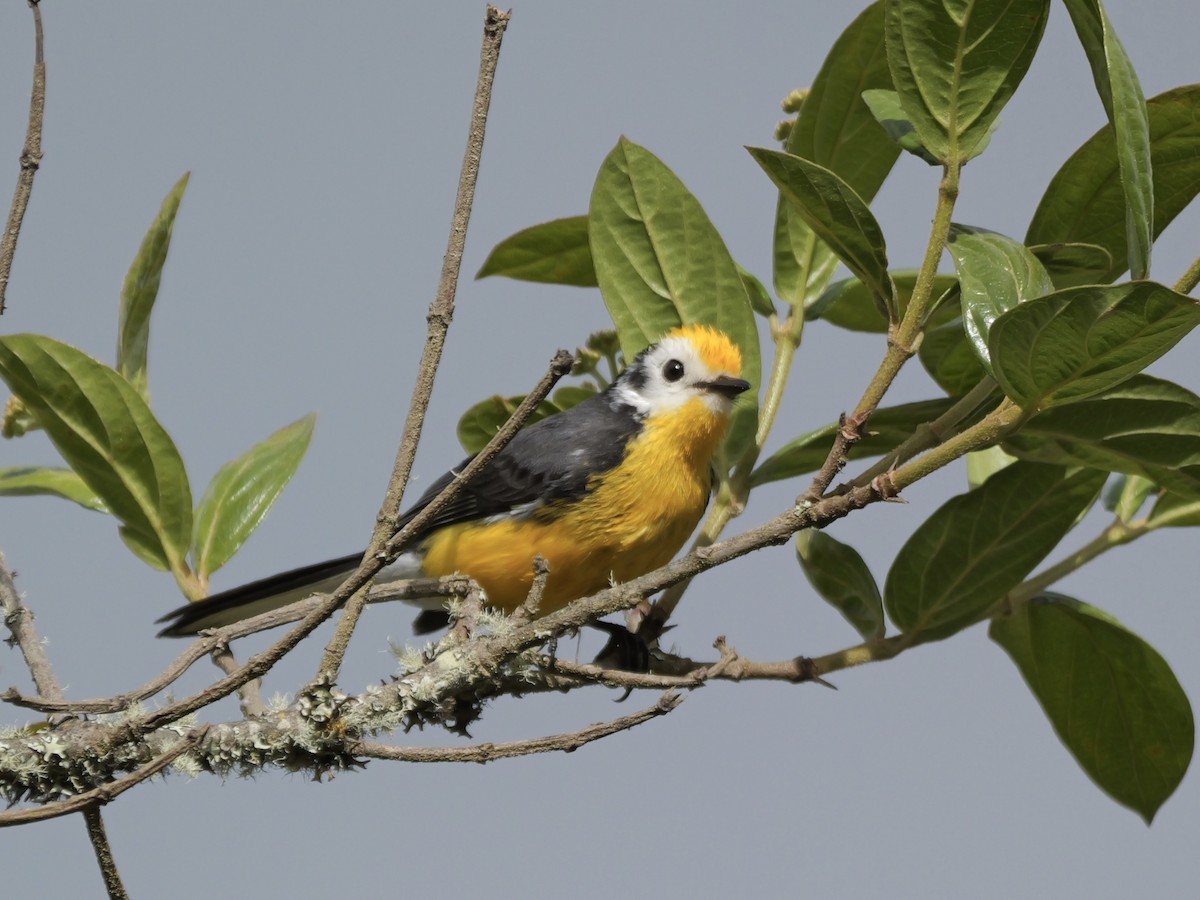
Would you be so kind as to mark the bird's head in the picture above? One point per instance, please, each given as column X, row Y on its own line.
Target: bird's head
column 692, row 362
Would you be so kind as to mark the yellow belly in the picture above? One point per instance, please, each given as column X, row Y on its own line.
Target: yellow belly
column 633, row 519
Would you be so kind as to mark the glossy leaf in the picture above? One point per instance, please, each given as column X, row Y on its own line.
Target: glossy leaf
column 660, row 262
column 141, row 290
column 841, row 578
column 887, row 428
column 980, row 545
column 1076, row 263
column 995, row 273
column 1145, row 426
column 1080, row 341
column 555, row 252
column 950, row 359
column 1084, row 204
column 1111, row 698
column 28, row 481
column 955, row 63
column 835, row 213
column 848, row 303
column 1125, row 105
column 835, row 129
column 802, row 262
column 889, row 112
column 106, row 432
column 243, row 491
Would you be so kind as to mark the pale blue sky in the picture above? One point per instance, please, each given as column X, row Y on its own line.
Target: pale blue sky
column 325, row 141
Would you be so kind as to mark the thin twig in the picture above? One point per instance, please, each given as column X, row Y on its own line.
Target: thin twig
column 482, row 753
column 411, row 589
column 31, row 156
column 19, row 619
column 249, row 694
column 528, row 610
column 441, row 312
column 108, row 866
column 106, row 793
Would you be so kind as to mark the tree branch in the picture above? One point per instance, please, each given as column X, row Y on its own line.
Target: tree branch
column 104, row 857
column 483, row 753
column 440, row 314
column 19, row 619
column 31, row 156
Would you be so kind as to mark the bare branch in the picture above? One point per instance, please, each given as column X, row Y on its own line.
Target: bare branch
column 19, row 619
column 482, row 753
column 108, row 866
column 441, row 312
column 410, row 589
column 31, row 156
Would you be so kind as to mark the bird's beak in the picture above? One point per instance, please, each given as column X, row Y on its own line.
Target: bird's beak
column 727, row 386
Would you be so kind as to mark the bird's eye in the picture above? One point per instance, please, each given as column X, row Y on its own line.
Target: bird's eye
column 673, row 370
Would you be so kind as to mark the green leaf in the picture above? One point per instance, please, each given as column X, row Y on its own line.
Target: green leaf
column 955, row 63
column 889, row 112
column 760, row 300
column 106, row 432
column 660, row 262
column 555, row 252
column 980, row 545
column 802, row 262
column 1125, row 105
column 835, row 213
column 243, row 491
column 1125, row 495
column 995, row 273
column 1080, row 341
column 950, row 359
column 1112, row 699
column 1075, row 263
column 887, row 428
column 1085, row 201
column 841, row 578
column 1175, row 511
column 141, row 290
column 28, row 481
column 983, row 464
column 835, row 129
column 479, row 424
column 1145, row 426
column 848, row 303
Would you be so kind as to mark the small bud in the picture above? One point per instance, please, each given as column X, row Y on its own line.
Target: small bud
column 793, row 101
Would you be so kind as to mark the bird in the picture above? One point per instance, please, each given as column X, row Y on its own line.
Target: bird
column 604, row 491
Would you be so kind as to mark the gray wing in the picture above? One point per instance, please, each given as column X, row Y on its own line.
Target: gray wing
column 549, row 461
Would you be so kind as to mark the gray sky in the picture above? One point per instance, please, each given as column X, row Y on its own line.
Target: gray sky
column 325, row 141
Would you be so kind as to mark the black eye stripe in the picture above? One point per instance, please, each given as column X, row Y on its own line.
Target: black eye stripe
column 672, row 370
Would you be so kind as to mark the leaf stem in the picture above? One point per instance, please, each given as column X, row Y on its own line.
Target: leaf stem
column 1188, row 281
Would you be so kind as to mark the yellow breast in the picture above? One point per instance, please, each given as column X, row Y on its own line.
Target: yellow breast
column 634, row 518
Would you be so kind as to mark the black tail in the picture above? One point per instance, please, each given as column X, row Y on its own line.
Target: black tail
column 257, row 597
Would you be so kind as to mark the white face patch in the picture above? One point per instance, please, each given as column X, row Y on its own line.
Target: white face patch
column 669, row 375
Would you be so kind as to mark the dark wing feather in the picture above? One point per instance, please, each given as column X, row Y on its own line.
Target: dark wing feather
column 549, row 461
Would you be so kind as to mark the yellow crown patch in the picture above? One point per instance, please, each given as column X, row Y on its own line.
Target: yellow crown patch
column 714, row 347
